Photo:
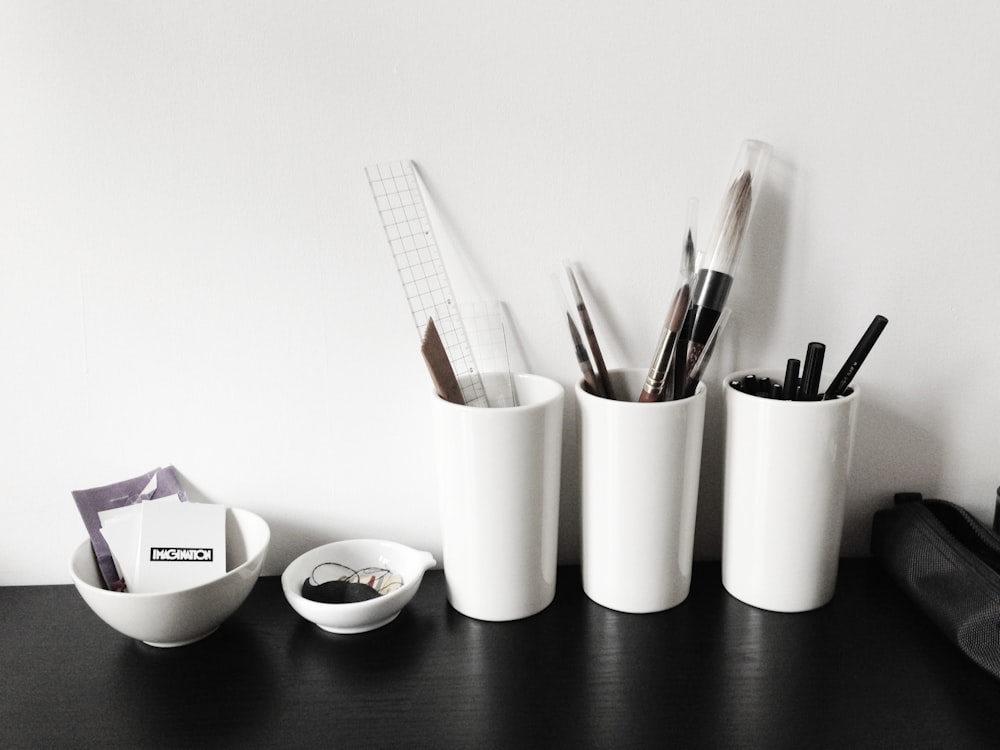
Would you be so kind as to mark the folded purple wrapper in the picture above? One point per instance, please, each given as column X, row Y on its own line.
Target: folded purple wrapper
column 126, row 492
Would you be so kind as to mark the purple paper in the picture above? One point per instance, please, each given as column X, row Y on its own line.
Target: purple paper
column 126, row 492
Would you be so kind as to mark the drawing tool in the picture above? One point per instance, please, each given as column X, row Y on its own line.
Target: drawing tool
column 689, row 261
column 486, row 327
column 580, row 350
column 791, row 382
column 422, row 272
column 588, row 330
column 654, row 387
column 581, row 357
column 677, row 370
column 714, row 281
column 846, row 374
column 812, row 370
column 695, row 373
column 439, row 366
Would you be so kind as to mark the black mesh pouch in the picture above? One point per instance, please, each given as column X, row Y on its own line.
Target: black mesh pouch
column 948, row 564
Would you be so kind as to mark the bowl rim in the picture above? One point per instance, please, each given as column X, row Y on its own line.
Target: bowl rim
column 101, row 591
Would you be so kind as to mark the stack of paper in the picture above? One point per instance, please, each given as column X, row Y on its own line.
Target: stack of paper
column 159, row 483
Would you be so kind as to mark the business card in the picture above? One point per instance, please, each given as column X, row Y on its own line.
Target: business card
column 180, row 545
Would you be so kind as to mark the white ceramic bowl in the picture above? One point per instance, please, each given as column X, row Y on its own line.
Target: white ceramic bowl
column 357, row 617
column 177, row 618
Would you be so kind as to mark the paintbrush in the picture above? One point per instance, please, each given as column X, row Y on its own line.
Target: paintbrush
column 654, row 387
column 714, row 281
column 661, row 371
column 677, row 371
column 581, row 357
column 699, row 365
column 688, row 262
column 588, row 329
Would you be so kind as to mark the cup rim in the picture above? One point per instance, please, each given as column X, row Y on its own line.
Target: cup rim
column 773, row 372
column 581, row 390
column 555, row 389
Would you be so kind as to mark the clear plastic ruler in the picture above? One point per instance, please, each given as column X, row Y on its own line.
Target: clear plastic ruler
column 422, row 273
column 484, row 321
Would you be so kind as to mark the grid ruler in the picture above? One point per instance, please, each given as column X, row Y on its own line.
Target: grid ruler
column 425, row 282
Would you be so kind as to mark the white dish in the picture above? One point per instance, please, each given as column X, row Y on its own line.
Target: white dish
column 357, row 617
column 177, row 618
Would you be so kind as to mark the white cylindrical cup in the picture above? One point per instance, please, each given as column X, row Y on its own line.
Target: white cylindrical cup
column 498, row 473
column 785, row 487
column 639, row 471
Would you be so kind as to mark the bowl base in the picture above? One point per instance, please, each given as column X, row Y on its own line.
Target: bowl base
column 360, row 629
column 175, row 644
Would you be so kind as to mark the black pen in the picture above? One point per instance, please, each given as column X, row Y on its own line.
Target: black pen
column 843, row 378
column 812, row 370
column 791, row 382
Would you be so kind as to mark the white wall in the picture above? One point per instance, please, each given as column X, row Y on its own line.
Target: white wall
column 192, row 270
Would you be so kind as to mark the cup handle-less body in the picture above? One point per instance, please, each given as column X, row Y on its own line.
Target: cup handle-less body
column 786, row 477
column 640, row 465
column 498, row 475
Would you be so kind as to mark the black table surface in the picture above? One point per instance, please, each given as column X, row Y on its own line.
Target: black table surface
column 866, row 670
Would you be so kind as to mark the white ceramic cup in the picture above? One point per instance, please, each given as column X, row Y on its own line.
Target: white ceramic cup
column 640, row 465
column 786, row 476
column 498, row 473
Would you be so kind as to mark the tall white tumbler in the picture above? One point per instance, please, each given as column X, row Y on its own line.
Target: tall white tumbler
column 639, row 471
column 498, row 472
column 785, row 487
